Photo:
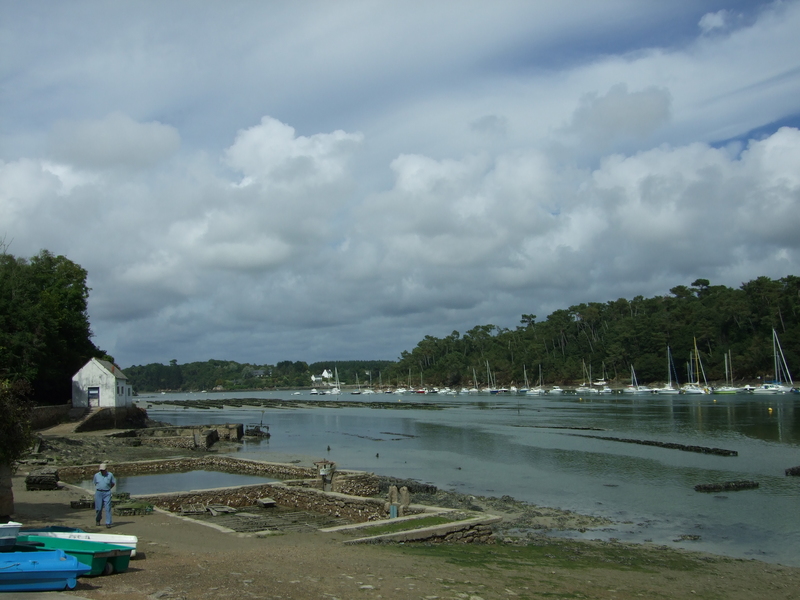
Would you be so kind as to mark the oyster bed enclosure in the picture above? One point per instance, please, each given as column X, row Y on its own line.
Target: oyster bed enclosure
column 192, row 437
column 352, row 495
column 176, row 465
column 353, row 508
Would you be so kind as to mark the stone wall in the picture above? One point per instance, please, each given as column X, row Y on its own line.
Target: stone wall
column 225, row 464
column 127, row 417
column 183, row 441
column 470, row 531
column 356, row 484
column 43, row 417
column 474, row 534
column 228, row 431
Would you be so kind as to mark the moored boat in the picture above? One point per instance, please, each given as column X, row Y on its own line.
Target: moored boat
column 695, row 367
column 634, row 387
column 668, row 388
column 102, row 559
column 44, row 571
column 126, row 541
column 783, row 379
column 8, row 534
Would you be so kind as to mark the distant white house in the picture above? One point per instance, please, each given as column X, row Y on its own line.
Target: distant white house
column 100, row 383
column 326, row 374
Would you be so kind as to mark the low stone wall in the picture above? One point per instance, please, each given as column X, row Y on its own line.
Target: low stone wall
column 471, row 531
column 356, row 484
column 122, row 417
column 43, row 417
column 189, row 443
column 475, row 534
column 226, row 431
column 225, row 464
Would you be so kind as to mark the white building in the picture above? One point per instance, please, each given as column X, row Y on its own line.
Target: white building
column 101, row 383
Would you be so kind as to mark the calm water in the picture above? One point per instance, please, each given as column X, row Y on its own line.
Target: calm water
column 536, row 450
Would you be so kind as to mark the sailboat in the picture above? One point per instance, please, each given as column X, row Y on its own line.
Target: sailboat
column 695, row 368
column 524, row 389
column 490, row 386
column 634, row 387
column 602, row 384
column 727, row 388
column 782, row 375
column 538, row 390
column 358, row 386
column 474, row 389
column 668, row 388
column 369, row 390
column 586, row 388
column 336, row 389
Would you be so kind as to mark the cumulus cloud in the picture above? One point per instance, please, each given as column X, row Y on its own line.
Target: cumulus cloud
column 312, row 205
column 113, row 141
column 711, row 21
column 274, row 156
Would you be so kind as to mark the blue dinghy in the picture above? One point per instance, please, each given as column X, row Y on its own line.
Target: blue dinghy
column 42, row 571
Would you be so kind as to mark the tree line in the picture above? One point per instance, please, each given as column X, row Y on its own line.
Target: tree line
column 230, row 375
column 45, row 338
column 609, row 338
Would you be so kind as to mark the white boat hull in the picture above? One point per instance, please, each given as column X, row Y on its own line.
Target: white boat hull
column 127, row 541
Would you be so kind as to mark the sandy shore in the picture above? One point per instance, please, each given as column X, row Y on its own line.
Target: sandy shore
column 183, row 559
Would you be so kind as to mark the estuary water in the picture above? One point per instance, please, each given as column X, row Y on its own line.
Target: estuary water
column 550, row 451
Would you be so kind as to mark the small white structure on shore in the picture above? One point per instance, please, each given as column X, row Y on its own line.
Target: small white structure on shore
column 100, row 383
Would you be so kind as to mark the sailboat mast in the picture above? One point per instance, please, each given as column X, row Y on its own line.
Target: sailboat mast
column 775, row 353
column 730, row 366
column 725, row 356
column 669, row 368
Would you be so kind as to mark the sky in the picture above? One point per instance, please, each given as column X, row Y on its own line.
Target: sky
column 263, row 181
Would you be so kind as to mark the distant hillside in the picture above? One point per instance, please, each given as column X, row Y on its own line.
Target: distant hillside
column 609, row 337
column 231, row 375
column 604, row 338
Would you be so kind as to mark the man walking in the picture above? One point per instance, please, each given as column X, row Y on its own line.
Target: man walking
column 104, row 482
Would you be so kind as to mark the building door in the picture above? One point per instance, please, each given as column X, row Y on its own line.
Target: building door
column 94, row 396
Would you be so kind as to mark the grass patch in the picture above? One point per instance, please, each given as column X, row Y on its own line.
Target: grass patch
column 394, row 526
column 565, row 554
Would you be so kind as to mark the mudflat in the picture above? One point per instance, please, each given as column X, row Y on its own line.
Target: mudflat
column 180, row 558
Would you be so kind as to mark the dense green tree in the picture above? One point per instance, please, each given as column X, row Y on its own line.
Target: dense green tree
column 45, row 337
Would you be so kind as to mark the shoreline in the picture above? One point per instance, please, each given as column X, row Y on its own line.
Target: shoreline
column 181, row 559
column 525, row 520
